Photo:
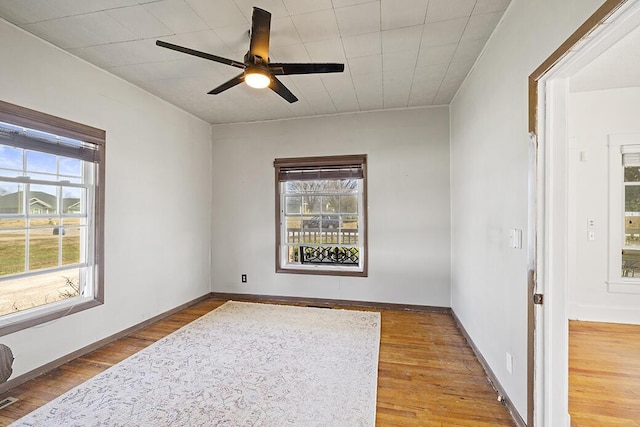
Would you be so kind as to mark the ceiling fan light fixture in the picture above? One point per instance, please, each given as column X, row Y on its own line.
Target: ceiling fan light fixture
column 257, row 79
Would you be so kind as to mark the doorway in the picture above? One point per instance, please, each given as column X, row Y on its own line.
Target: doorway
column 562, row 247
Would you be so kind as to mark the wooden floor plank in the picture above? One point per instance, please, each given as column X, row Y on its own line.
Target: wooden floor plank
column 604, row 374
column 428, row 375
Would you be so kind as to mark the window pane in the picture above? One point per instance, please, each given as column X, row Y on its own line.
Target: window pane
column 11, row 198
column 10, row 157
column 327, row 228
column 303, row 186
column 349, row 185
column 311, row 222
column 44, row 222
column 74, row 221
column 349, row 230
column 330, row 222
column 349, row 204
column 350, row 222
column 298, row 186
column 43, row 248
column 324, row 224
column 12, row 223
column 340, row 186
column 630, row 263
column 71, row 287
column 293, row 204
column 291, row 186
column 41, row 162
column 330, row 236
column 72, row 167
column 293, row 254
column 72, row 200
column 12, row 251
column 71, row 238
column 632, row 231
column 27, row 292
column 330, row 255
column 310, row 230
column 632, row 174
column 311, row 204
column 294, row 234
column 632, row 198
column 43, row 200
column 330, row 203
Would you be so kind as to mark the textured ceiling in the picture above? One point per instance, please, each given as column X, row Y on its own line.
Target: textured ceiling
column 397, row 53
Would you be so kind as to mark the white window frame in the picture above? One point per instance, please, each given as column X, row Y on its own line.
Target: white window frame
column 282, row 246
column 92, row 260
column 619, row 145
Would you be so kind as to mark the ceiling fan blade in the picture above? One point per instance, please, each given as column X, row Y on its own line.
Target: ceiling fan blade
column 200, row 54
column 260, row 28
column 227, row 85
column 284, row 69
column 277, row 86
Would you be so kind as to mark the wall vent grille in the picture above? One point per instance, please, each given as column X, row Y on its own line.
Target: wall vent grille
column 8, row 401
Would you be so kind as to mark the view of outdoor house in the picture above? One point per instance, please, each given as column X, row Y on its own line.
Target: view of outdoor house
column 43, row 228
column 39, row 203
column 51, row 241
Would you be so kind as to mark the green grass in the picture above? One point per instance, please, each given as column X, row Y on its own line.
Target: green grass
column 43, row 253
column 11, row 257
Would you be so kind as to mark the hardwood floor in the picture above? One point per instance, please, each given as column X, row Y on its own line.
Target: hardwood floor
column 604, row 374
column 427, row 375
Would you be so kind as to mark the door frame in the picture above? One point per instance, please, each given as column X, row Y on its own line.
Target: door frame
column 548, row 252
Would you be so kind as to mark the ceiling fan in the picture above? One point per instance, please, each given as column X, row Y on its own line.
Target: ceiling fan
column 258, row 72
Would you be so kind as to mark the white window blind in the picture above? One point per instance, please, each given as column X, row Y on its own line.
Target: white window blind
column 30, row 139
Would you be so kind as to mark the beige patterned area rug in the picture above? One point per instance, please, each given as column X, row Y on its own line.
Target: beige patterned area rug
column 243, row 364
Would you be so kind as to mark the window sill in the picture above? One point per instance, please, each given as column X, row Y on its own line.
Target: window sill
column 322, row 270
column 11, row 323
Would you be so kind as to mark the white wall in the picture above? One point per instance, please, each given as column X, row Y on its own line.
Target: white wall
column 592, row 117
column 489, row 163
column 408, row 195
column 157, row 217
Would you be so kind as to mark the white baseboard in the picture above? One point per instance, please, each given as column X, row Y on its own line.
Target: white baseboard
column 590, row 313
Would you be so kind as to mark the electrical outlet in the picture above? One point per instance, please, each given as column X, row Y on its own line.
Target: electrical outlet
column 244, row 278
column 509, row 363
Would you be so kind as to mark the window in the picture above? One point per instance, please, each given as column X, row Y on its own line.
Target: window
column 624, row 214
column 51, row 204
column 630, row 266
column 321, row 215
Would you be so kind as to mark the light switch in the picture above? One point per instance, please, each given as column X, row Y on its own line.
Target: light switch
column 515, row 238
column 591, row 235
column 584, row 156
column 591, row 223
